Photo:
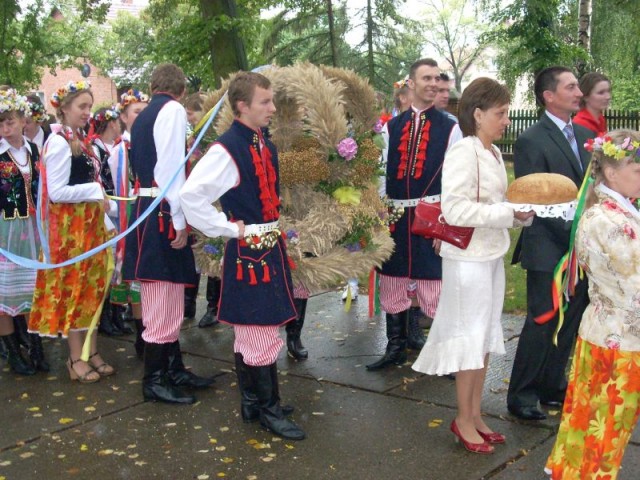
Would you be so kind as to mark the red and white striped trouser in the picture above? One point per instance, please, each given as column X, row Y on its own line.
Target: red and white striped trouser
column 394, row 294
column 162, row 311
column 259, row 345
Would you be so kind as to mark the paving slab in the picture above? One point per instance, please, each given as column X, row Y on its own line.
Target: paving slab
column 360, row 424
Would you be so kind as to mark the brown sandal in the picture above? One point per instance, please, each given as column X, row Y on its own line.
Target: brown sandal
column 104, row 369
column 87, row 377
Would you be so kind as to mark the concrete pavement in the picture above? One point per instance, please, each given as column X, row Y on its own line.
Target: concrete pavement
column 359, row 424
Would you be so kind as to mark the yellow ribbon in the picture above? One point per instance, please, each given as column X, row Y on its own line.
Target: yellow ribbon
column 126, row 199
column 86, row 347
column 347, row 195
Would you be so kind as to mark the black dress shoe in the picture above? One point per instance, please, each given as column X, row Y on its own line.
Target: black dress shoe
column 527, row 413
column 552, row 403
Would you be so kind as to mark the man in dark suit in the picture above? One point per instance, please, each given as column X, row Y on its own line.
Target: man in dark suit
column 552, row 145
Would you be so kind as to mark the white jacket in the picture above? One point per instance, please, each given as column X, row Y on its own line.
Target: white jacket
column 460, row 205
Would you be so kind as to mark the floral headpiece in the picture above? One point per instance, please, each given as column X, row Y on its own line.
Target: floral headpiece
column 71, row 87
column 132, row 96
column 38, row 113
column 107, row 115
column 10, row 101
column 401, row 83
column 628, row 148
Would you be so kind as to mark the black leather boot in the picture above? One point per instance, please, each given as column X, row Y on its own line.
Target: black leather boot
column 396, row 353
column 139, row 343
column 155, row 384
column 16, row 361
column 179, row 375
column 415, row 333
column 272, row 416
column 36, row 353
column 190, row 297
column 117, row 317
column 295, row 349
column 20, row 329
column 210, row 318
column 249, row 407
column 106, row 324
column 3, row 351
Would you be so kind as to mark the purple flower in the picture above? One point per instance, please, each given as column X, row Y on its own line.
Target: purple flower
column 210, row 249
column 292, row 234
column 377, row 128
column 354, row 247
column 347, row 148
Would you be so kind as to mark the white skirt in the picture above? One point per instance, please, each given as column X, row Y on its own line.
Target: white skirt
column 467, row 324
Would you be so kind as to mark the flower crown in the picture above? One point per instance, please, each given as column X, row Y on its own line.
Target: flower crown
column 401, row 83
column 71, row 87
column 38, row 113
column 109, row 114
column 10, row 101
column 604, row 144
column 132, row 96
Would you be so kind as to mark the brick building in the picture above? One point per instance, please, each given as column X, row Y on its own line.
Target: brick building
column 103, row 88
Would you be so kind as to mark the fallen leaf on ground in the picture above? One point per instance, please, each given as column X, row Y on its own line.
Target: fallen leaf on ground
column 227, row 460
column 65, row 420
column 203, row 477
column 57, row 394
column 108, row 451
column 27, row 455
column 33, row 409
column 436, row 422
column 83, row 448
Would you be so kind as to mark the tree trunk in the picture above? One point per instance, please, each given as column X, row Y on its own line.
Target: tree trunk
column 227, row 49
column 332, row 34
column 584, row 31
column 371, row 67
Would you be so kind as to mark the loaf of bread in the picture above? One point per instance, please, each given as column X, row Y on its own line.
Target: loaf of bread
column 542, row 189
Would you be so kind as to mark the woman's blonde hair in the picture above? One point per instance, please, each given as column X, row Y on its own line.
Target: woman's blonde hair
column 76, row 143
column 599, row 160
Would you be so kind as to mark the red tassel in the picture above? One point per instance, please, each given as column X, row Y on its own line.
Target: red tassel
column 172, row 231
column 392, row 227
column 136, row 186
column 239, row 270
column 160, row 222
column 252, row 275
column 266, row 276
column 292, row 264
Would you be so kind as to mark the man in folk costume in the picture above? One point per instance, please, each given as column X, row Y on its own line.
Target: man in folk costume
column 241, row 170
column 416, row 141
column 156, row 253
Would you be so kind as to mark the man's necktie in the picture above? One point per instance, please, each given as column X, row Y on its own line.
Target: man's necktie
column 571, row 138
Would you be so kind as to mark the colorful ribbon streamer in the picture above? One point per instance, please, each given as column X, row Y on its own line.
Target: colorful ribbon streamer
column 567, row 272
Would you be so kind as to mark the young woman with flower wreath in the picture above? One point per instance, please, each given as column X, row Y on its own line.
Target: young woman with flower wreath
column 132, row 102
column 72, row 201
column 602, row 404
column 18, row 231
column 104, row 132
column 33, row 128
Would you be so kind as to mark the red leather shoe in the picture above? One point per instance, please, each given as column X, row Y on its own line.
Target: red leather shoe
column 483, row 448
column 493, row 438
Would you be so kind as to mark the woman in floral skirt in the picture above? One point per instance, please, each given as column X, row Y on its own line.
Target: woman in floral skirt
column 68, row 300
column 603, row 397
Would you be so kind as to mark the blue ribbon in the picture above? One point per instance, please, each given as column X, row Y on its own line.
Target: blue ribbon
column 33, row 264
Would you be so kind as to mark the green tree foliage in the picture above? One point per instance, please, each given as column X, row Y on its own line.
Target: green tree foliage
column 32, row 38
column 615, row 48
column 534, row 34
column 456, row 34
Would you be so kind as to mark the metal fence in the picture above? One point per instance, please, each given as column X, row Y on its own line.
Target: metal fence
column 523, row 119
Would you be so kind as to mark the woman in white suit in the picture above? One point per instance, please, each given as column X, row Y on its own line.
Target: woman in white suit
column 467, row 325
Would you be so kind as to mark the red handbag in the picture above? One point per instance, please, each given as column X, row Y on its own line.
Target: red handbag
column 429, row 222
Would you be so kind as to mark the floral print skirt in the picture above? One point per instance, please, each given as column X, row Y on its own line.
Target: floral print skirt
column 600, row 412
column 67, row 298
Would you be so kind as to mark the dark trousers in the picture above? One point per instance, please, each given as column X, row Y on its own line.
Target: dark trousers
column 539, row 366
